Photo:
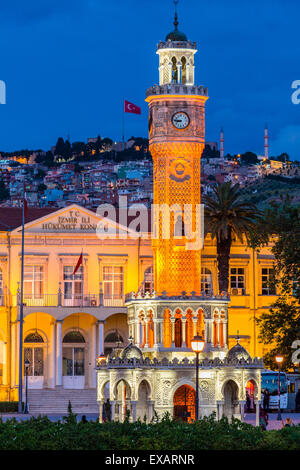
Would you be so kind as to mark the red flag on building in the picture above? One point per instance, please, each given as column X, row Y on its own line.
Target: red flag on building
column 131, row 108
column 25, row 207
column 79, row 263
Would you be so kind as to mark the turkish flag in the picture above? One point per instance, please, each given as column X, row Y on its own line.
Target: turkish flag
column 131, row 108
column 25, row 207
column 79, row 263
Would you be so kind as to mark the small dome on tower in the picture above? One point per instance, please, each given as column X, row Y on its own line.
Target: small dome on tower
column 176, row 35
column 238, row 352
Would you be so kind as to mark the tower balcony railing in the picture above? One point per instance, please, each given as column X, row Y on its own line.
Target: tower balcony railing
column 140, row 295
column 68, row 300
column 176, row 89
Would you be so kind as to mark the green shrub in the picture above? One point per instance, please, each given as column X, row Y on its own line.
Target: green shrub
column 167, row 434
column 9, row 406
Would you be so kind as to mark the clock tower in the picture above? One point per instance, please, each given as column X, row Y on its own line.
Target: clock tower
column 176, row 142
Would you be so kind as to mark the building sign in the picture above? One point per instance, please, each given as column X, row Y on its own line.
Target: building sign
column 73, row 221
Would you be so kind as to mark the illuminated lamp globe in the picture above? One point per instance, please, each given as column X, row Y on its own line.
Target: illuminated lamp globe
column 197, row 344
column 279, row 359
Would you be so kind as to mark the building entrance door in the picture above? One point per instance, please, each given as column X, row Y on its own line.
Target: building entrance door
column 35, row 356
column 73, row 367
column 73, row 360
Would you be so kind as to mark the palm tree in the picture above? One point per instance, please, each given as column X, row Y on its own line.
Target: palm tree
column 227, row 216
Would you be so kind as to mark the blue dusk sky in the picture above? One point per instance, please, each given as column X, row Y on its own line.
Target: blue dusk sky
column 68, row 64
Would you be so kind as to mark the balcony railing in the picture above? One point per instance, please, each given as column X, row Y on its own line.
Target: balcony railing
column 62, row 300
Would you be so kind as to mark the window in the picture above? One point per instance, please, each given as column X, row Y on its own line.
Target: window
column 73, row 337
column 237, row 280
column 33, row 281
column 73, row 285
column 148, row 279
column 1, row 288
column 34, row 355
column 267, row 279
column 113, row 282
column 206, row 281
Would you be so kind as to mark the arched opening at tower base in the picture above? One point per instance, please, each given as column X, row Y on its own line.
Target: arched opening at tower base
column 184, row 403
column 231, row 402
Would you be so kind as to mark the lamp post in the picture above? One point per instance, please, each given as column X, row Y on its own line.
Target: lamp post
column 26, row 364
column 197, row 344
column 279, row 360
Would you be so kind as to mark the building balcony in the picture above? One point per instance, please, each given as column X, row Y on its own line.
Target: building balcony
column 60, row 302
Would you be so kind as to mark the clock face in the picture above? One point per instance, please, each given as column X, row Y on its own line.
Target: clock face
column 180, row 120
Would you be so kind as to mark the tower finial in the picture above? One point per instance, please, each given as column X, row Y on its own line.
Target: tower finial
column 176, row 16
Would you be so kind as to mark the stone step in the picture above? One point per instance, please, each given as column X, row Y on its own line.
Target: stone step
column 48, row 401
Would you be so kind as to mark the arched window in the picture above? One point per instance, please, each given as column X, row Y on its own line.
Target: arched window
column 174, row 70
column 167, row 339
column 200, row 324
column 73, row 337
column 33, row 338
column 113, row 337
column 178, row 329
column 183, row 70
column 148, row 279
column 206, row 281
column 215, row 330
column 150, row 330
column 189, row 329
column 179, row 227
column 34, row 355
column 112, row 340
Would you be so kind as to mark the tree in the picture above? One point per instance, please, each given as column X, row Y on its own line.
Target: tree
column 226, row 216
column 249, row 158
column 281, row 325
column 4, row 192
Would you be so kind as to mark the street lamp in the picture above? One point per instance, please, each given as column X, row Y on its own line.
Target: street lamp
column 197, row 344
column 26, row 364
column 279, row 360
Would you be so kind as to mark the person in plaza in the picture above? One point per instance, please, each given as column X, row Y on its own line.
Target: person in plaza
column 263, row 419
column 288, row 423
column 248, row 402
column 266, row 399
column 107, row 407
column 298, row 401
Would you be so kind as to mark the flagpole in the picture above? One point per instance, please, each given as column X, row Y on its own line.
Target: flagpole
column 123, row 125
column 20, row 410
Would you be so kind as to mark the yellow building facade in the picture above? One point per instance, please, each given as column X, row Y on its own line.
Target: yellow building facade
column 70, row 320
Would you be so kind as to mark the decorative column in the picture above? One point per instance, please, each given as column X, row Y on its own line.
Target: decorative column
column 101, row 411
column 206, row 329
column 133, row 408
column 155, row 327
column 161, row 330
column 147, row 334
column 211, row 332
column 242, row 409
column 195, row 325
column 257, row 403
column 100, row 348
column 225, row 333
column 178, row 72
column 113, row 409
column 137, row 333
column 151, row 409
column 4, row 378
column 173, row 332
column 52, row 378
column 218, row 333
column 59, row 353
column 183, row 343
